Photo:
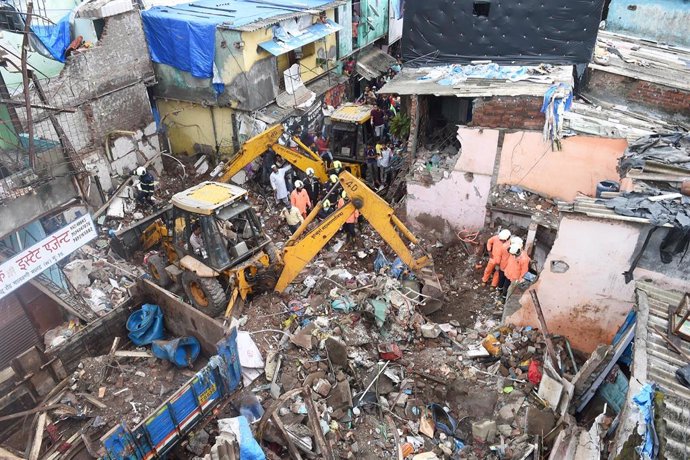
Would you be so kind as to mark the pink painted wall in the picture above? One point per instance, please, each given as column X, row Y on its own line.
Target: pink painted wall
column 458, row 200
column 527, row 161
column 588, row 303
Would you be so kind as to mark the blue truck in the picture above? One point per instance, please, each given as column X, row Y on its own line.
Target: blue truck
column 158, row 433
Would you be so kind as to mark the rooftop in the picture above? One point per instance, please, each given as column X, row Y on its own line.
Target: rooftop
column 243, row 15
column 484, row 80
column 654, row 362
column 609, row 120
column 642, row 59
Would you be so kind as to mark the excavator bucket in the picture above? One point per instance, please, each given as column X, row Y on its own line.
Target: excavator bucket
column 432, row 292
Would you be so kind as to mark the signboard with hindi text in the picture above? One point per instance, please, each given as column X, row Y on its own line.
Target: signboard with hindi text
column 44, row 254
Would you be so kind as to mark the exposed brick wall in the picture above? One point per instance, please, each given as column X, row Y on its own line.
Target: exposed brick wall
column 510, row 112
column 105, row 84
column 619, row 89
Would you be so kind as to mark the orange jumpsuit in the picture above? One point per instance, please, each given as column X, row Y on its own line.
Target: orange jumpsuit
column 517, row 266
column 498, row 251
column 353, row 217
column 300, row 200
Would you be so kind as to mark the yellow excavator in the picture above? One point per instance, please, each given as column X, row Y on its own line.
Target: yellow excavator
column 271, row 139
column 212, row 243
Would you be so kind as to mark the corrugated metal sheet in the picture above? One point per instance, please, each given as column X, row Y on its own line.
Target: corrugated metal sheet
column 16, row 336
column 594, row 207
column 662, row 363
column 373, row 62
column 422, row 81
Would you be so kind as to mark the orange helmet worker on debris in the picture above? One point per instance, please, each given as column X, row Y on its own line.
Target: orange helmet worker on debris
column 300, row 198
column 349, row 225
column 517, row 265
column 498, row 250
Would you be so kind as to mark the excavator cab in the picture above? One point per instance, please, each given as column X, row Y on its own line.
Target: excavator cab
column 230, row 230
column 350, row 133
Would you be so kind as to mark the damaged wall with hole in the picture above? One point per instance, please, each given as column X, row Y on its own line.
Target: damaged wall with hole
column 641, row 95
column 581, row 289
column 106, row 98
column 508, row 112
column 465, row 187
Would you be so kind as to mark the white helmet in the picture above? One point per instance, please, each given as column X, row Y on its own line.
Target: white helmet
column 337, row 164
column 141, row 171
column 516, row 241
column 310, row 172
column 299, row 184
column 504, row 234
column 334, row 178
column 514, row 249
column 326, row 204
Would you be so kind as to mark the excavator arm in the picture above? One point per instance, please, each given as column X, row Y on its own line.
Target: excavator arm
column 258, row 144
column 298, row 252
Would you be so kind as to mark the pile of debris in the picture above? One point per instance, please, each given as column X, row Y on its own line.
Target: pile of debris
column 348, row 368
column 515, row 198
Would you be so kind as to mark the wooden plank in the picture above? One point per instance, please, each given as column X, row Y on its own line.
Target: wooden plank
column 283, row 432
column 31, row 411
column 6, row 454
column 551, row 351
column 38, row 437
column 93, row 400
column 321, row 442
column 132, row 354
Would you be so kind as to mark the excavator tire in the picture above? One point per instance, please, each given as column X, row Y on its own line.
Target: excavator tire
column 205, row 294
column 156, row 265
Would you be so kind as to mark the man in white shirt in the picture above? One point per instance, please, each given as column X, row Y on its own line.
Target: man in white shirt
column 384, row 163
column 278, row 183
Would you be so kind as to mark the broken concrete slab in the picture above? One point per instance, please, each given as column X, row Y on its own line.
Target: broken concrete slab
column 431, row 330
column 539, row 422
column 302, row 338
column 480, row 404
column 337, row 351
column 340, row 396
column 77, row 272
column 322, row 387
column 484, row 431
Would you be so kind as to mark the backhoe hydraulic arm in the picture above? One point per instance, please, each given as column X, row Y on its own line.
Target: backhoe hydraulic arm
column 268, row 139
column 299, row 251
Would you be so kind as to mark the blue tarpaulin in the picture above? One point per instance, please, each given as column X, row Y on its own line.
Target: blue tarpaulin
column 184, row 36
column 55, row 37
column 649, row 449
column 283, row 42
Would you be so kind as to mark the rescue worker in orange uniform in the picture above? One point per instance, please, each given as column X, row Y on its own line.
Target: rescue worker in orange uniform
column 517, row 265
column 498, row 249
column 300, row 198
column 349, row 225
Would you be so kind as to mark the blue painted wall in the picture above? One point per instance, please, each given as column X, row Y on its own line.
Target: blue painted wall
column 660, row 20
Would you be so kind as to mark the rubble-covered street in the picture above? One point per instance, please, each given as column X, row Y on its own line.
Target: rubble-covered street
column 351, row 229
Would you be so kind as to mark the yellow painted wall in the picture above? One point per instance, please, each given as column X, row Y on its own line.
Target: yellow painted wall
column 308, row 68
column 188, row 124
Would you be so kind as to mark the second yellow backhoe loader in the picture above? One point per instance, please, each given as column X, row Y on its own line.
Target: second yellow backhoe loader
column 212, row 244
column 274, row 138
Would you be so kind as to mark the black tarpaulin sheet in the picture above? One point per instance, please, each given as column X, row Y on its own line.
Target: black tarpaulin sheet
column 524, row 31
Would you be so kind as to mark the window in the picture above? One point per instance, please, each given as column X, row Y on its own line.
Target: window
column 481, row 9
